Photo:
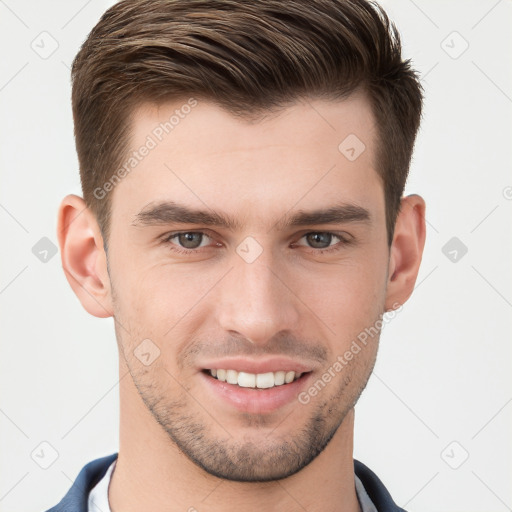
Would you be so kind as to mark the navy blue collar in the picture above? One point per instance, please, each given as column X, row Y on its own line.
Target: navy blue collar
column 76, row 498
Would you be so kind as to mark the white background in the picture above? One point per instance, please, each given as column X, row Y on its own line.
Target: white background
column 444, row 366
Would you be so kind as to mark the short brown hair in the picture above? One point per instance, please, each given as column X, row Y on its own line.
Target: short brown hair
column 248, row 57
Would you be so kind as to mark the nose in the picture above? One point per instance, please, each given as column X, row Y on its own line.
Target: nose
column 256, row 301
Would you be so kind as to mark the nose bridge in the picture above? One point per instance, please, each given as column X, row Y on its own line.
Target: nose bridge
column 255, row 303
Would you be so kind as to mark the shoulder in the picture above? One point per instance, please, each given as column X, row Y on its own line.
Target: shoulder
column 375, row 488
column 76, row 498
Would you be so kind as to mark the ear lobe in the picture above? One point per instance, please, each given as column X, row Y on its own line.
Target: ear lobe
column 83, row 256
column 406, row 251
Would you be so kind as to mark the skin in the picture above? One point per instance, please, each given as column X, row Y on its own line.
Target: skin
column 182, row 446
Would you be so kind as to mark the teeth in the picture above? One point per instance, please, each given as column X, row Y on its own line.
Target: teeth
column 279, row 378
column 253, row 380
column 246, row 380
column 231, row 376
column 289, row 377
column 265, row 380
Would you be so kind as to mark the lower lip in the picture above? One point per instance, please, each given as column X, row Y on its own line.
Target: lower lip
column 253, row 400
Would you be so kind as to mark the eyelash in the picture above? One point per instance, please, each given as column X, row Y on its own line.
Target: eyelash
column 344, row 241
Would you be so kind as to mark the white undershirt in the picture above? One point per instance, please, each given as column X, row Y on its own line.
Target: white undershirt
column 98, row 497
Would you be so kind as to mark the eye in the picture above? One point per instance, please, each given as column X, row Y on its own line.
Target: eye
column 324, row 241
column 319, row 240
column 189, row 240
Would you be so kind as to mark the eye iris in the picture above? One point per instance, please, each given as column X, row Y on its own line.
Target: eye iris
column 190, row 240
column 319, row 240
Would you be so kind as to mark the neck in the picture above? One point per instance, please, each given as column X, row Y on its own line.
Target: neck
column 151, row 473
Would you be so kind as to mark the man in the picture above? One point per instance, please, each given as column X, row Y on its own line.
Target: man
column 242, row 165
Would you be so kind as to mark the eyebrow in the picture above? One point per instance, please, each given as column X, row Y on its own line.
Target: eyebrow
column 170, row 212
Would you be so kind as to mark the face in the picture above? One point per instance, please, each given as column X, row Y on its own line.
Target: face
column 245, row 258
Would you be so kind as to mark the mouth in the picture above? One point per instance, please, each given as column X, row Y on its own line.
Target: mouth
column 258, row 381
column 254, row 387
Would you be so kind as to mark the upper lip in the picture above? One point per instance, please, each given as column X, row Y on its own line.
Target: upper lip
column 262, row 365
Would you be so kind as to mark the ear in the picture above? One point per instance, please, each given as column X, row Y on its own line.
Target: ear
column 83, row 257
column 406, row 251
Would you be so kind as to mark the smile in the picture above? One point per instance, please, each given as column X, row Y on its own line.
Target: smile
column 255, row 380
column 254, row 386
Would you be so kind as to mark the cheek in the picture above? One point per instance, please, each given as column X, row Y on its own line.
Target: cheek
column 348, row 296
column 165, row 302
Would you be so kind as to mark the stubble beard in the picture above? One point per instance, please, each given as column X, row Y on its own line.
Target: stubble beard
column 261, row 458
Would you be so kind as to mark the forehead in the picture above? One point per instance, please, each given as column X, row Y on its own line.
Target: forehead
column 311, row 152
